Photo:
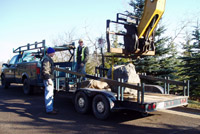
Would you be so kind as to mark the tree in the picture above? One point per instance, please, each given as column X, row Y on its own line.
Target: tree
column 66, row 38
column 191, row 57
column 137, row 8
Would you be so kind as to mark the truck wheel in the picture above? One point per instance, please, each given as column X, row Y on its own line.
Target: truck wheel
column 82, row 103
column 26, row 87
column 4, row 82
column 100, row 107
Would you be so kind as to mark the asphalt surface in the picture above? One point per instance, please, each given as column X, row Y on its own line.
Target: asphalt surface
column 22, row 114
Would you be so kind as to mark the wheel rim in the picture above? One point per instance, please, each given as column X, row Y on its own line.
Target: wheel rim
column 100, row 107
column 81, row 102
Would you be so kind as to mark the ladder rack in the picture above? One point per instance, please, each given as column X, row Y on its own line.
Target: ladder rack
column 36, row 45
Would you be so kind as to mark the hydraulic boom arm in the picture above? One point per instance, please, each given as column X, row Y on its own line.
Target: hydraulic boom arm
column 138, row 38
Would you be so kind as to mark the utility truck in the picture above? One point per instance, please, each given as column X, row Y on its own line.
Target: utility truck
column 25, row 67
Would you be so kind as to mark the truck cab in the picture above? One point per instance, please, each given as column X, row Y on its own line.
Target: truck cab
column 24, row 67
column 9, row 70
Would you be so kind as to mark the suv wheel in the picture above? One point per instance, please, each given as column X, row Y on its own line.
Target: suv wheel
column 4, row 82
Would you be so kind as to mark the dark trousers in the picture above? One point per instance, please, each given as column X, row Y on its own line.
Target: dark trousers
column 81, row 69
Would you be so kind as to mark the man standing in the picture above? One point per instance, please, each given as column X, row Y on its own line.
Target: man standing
column 47, row 76
column 82, row 55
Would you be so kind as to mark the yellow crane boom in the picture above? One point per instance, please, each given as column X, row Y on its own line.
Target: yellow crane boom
column 152, row 14
column 138, row 38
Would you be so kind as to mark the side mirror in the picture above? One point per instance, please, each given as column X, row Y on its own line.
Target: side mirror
column 5, row 64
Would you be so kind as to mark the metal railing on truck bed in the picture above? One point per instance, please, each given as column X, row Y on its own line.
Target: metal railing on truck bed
column 121, row 84
column 163, row 100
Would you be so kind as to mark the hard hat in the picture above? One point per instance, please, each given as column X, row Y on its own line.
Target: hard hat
column 80, row 40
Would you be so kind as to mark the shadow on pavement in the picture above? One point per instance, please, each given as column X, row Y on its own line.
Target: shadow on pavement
column 28, row 114
column 187, row 110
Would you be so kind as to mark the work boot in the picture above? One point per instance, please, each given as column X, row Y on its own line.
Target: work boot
column 54, row 112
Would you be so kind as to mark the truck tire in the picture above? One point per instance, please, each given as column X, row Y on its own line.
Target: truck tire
column 4, row 82
column 82, row 102
column 100, row 107
column 26, row 87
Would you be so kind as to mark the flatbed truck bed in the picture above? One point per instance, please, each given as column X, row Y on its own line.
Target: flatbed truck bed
column 155, row 97
column 161, row 101
column 103, row 102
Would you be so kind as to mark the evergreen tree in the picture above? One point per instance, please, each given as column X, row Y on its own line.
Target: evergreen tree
column 196, row 37
column 137, row 8
column 190, row 59
column 186, row 58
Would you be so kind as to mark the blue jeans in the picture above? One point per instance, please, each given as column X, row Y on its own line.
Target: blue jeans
column 48, row 95
column 81, row 69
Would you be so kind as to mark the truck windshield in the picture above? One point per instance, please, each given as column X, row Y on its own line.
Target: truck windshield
column 13, row 60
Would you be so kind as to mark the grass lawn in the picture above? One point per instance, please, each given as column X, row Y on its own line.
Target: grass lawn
column 193, row 104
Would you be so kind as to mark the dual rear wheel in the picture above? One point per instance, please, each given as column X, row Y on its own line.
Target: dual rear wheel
column 99, row 104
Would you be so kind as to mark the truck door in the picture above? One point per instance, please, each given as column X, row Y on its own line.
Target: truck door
column 10, row 72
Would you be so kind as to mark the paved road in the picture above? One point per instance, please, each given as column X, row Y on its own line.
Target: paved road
column 21, row 114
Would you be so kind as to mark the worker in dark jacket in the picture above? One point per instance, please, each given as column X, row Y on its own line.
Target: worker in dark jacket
column 47, row 76
column 82, row 55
